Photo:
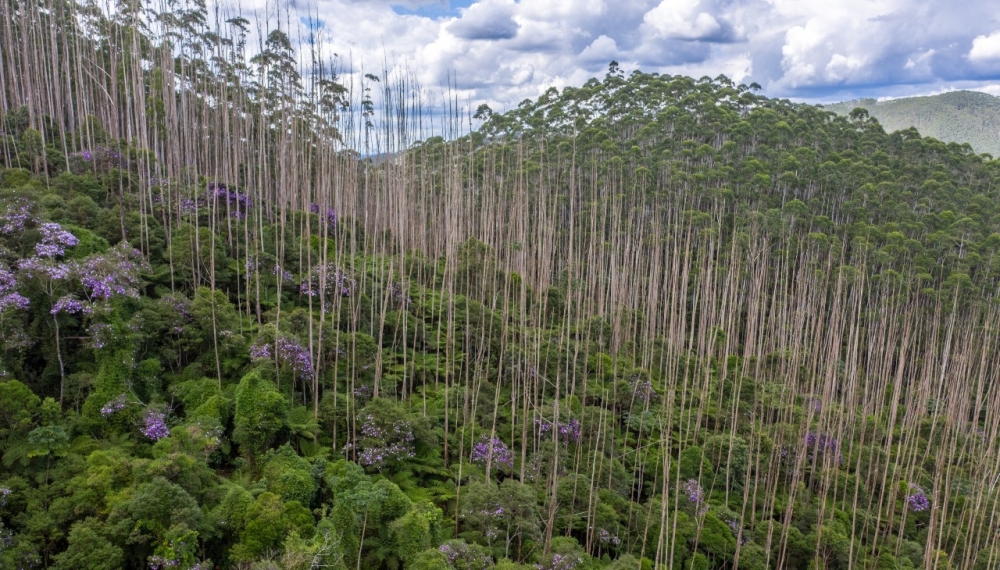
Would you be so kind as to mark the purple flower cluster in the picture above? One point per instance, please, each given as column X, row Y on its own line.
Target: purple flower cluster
column 9, row 298
column 493, row 452
column 363, row 391
column 569, row 431
column 331, row 214
column 459, row 554
column 114, row 273
column 384, row 444
column 917, row 499
column 561, row 562
column 608, row 539
column 70, row 305
column 289, row 352
column 818, row 443
column 98, row 334
column 114, row 406
column 237, row 202
column 100, row 157
column 281, row 273
column 55, row 240
column 14, row 217
column 696, row 496
column 329, row 280
column 399, row 296
column 37, row 267
column 156, row 426
column 736, row 527
column 4, row 492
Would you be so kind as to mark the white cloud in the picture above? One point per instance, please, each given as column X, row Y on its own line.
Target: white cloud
column 683, row 20
column 985, row 48
column 486, row 20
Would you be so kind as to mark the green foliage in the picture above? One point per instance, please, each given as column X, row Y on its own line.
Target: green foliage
column 259, row 413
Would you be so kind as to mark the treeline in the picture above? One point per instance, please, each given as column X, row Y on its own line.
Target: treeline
column 255, row 318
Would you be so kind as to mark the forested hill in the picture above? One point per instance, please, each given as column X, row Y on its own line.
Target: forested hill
column 646, row 322
column 957, row 116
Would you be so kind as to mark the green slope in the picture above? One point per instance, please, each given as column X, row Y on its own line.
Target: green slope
column 959, row 116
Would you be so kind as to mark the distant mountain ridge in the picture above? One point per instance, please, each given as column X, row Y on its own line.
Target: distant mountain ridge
column 957, row 116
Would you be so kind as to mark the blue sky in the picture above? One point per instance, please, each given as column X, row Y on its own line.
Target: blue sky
column 503, row 51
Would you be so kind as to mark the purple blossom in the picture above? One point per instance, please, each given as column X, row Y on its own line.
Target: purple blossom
column 561, row 562
column 13, row 301
column 492, row 452
column 608, row 539
column 385, row 443
column 568, row 431
column 281, row 273
column 98, row 335
column 819, row 444
column 4, row 492
column 114, row 273
column 917, row 499
column 155, row 427
column 696, row 496
column 14, row 217
column 9, row 298
column 70, row 305
column 400, row 296
column 37, row 267
column 460, row 555
column 329, row 280
column 55, row 240
column 289, row 352
column 114, row 406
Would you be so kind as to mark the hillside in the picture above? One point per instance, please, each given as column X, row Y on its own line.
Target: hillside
column 645, row 322
column 957, row 116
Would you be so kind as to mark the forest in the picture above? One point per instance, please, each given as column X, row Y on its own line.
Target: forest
column 256, row 316
column 956, row 116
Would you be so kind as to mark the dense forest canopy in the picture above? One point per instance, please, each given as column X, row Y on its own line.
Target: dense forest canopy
column 254, row 318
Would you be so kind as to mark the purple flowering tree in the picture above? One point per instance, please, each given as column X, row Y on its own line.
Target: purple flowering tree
column 917, row 499
column 695, row 496
column 285, row 351
column 492, row 453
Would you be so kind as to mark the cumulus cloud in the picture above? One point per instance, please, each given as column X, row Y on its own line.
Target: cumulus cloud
column 684, row 20
column 486, row 20
column 985, row 48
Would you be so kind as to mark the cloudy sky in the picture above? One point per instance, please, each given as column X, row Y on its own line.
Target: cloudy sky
column 503, row 51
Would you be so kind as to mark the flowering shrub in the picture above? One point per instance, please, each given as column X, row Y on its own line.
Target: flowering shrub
column 114, row 406
column 607, row 539
column 55, row 240
column 466, row 556
column 9, row 298
column 289, row 352
column 114, row 273
column 155, row 427
column 15, row 216
column 568, row 431
column 818, row 444
column 696, row 496
column 560, row 562
column 917, row 499
column 70, row 305
column 383, row 442
column 329, row 280
column 492, row 452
